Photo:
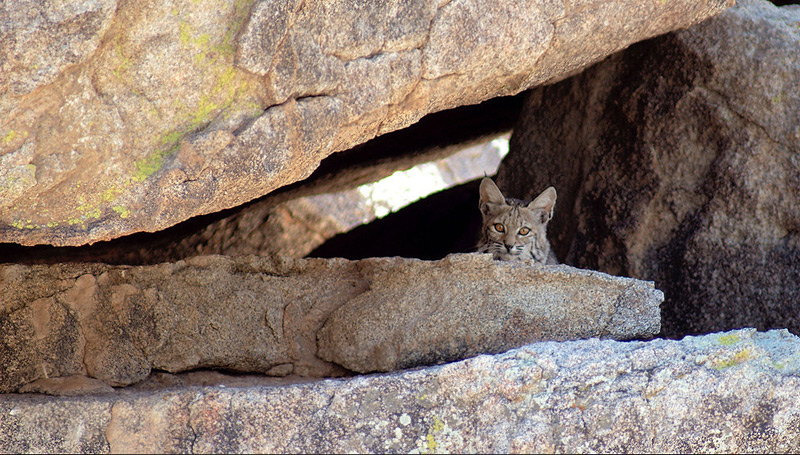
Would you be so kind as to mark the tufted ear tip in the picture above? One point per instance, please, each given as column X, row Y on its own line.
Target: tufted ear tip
column 490, row 193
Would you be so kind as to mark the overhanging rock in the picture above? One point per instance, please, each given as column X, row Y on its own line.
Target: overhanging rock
column 171, row 111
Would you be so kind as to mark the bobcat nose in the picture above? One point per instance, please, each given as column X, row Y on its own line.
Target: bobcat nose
column 508, row 247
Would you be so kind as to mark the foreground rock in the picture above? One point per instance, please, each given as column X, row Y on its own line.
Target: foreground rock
column 254, row 314
column 188, row 108
column 730, row 392
column 683, row 170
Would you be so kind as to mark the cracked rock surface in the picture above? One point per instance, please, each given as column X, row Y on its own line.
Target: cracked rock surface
column 731, row 392
column 309, row 318
column 150, row 114
column 682, row 170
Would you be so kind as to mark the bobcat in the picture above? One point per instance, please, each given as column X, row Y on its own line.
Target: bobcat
column 514, row 230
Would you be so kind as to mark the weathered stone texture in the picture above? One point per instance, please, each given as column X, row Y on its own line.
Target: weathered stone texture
column 158, row 112
column 254, row 314
column 406, row 320
column 678, row 161
column 719, row 393
column 39, row 40
column 118, row 323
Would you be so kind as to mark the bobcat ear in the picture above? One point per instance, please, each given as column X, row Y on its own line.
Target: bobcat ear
column 490, row 193
column 545, row 201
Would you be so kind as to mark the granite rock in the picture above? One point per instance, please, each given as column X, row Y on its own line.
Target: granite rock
column 718, row 393
column 466, row 305
column 677, row 161
column 266, row 314
column 151, row 114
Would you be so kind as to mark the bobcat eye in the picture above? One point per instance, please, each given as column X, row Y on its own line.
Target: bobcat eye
column 524, row 231
column 499, row 227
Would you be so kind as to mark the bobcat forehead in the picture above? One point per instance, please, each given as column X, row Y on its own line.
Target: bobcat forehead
column 514, row 230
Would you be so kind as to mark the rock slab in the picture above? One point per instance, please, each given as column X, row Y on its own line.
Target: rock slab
column 733, row 392
column 406, row 319
column 264, row 314
column 150, row 114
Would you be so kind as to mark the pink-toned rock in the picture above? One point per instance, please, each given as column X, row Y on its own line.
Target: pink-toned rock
column 266, row 315
column 719, row 393
column 190, row 108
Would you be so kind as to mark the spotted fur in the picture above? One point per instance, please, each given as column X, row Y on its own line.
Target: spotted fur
column 514, row 230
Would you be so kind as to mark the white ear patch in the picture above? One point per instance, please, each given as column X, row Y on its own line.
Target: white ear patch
column 545, row 201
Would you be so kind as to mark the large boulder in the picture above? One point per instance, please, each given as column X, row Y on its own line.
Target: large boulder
column 677, row 161
column 732, row 392
column 151, row 113
column 295, row 219
column 284, row 316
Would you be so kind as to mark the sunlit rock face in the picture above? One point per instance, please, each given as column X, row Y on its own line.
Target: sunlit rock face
column 675, row 161
column 718, row 393
column 314, row 317
column 151, row 113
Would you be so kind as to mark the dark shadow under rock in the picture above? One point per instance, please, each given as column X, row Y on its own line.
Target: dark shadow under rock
column 443, row 223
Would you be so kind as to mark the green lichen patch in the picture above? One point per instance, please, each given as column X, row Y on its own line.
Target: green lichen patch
column 123, row 62
column 21, row 224
column 121, row 211
column 150, row 164
column 429, row 443
column 729, row 339
column 110, row 194
column 738, row 358
column 240, row 14
column 8, row 137
column 12, row 135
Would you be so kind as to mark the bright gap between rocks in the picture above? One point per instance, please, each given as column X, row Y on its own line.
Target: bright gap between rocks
column 349, row 209
column 405, row 187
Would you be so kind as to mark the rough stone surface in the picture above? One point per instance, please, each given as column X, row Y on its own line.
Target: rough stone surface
column 281, row 224
column 39, row 40
column 406, row 320
column 152, row 113
column 678, row 161
column 75, row 385
column 256, row 314
column 118, row 323
column 732, row 392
